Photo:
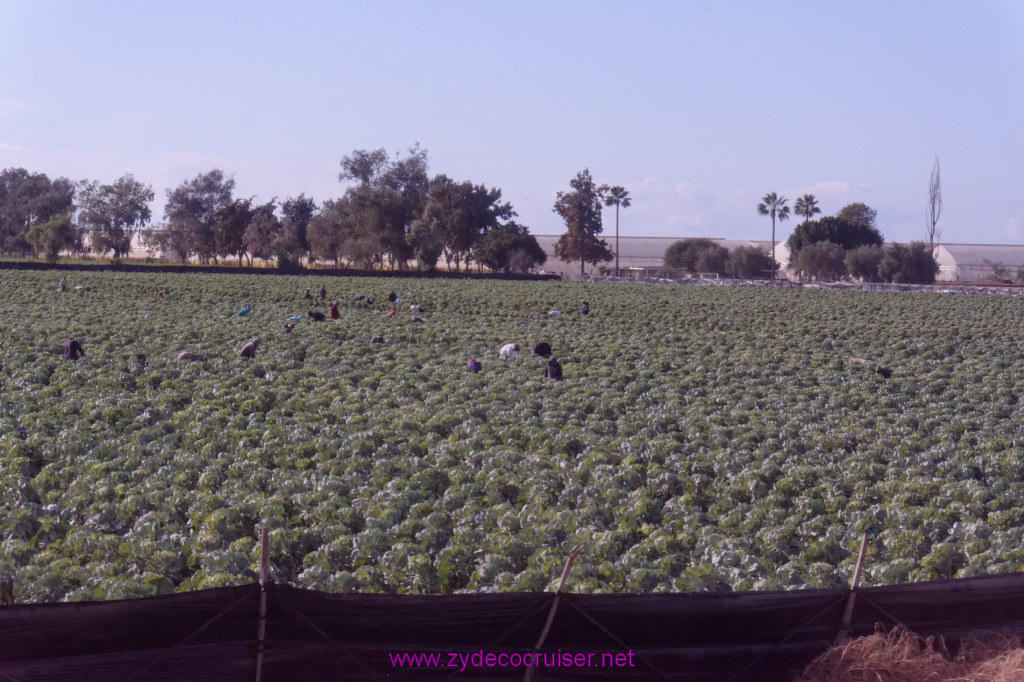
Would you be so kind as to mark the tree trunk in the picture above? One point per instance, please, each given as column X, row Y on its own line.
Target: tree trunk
column 616, row 240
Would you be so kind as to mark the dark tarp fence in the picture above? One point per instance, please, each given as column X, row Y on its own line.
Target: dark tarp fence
column 736, row 636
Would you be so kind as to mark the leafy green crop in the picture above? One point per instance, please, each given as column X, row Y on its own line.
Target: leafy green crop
column 703, row 438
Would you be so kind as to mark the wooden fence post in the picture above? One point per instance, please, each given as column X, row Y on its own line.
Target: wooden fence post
column 852, row 598
column 261, row 627
column 528, row 677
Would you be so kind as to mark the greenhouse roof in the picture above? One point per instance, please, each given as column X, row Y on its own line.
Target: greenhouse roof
column 1010, row 255
column 634, row 252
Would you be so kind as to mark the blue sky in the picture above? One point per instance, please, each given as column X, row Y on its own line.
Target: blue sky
column 697, row 108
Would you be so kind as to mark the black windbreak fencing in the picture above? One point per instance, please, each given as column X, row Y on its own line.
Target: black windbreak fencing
column 214, row 634
column 172, row 268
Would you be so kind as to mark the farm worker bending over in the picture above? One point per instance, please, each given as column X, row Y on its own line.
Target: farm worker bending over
column 474, row 365
column 308, row 295
column 509, row 350
column 72, row 349
column 553, row 370
column 249, row 349
column 335, row 315
column 186, row 355
column 244, row 311
column 63, row 285
column 585, row 309
column 323, row 292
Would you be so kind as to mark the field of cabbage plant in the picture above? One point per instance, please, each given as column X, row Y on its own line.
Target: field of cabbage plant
column 702, row 438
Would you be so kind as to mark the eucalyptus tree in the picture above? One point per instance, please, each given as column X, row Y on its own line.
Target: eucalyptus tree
column 296, row 213
column 28, row 199
column 114, row 213
column 774, row 206
column 191, row 212
column 326, row 231
column 232, row 219
column 617, row 196
column 388, row 195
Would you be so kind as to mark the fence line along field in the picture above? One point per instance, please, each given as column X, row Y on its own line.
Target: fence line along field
column 701, row 439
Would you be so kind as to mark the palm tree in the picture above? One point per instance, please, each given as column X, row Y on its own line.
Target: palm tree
column 617, row 196
column 806, row 206
column 775, row 206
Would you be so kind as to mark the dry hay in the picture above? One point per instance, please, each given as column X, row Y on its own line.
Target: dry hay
column 902, row 656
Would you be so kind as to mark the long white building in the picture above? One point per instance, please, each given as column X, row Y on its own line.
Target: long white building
column 957, row 262
column 634, row 252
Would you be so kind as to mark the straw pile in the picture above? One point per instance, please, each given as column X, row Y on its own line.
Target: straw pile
column 902, row 656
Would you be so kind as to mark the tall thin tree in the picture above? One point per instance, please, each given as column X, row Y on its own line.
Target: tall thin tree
column 617, row 196
column 806, row 206
column 934, row 207
column 774, row 206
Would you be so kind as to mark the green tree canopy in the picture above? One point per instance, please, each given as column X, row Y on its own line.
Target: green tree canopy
column 337, row 234
column 389, row 196
column 455, row 216
column 846, row 233
column 55, row 235
column 429, row 232
column 911, row 263
column 580, row 208
column 191, row 212
column 28, row 199
column 114, row 213
column 266, row 236
column 232, row 219
column 749, row 262
column 824, row 261
column 327, row 230
column 697, row 255
column 296, row 213
column 509, row 248
column 863, row 262
column 858, row 213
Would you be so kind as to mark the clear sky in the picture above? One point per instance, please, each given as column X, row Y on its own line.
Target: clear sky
column 697, row 108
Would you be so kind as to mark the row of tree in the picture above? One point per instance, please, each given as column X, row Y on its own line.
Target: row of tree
column 853, row 229
column 849, row 244
column 392, row 213
column 46, row 217
column 706, row 256
column 830, row 248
